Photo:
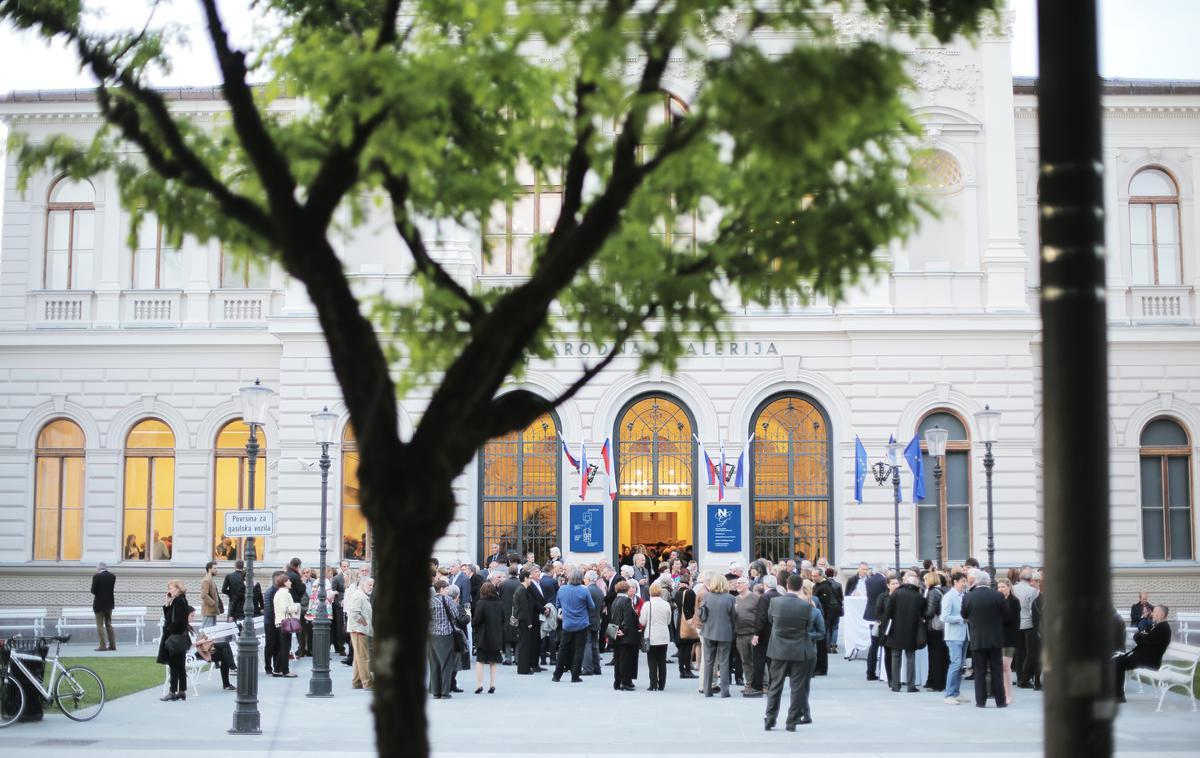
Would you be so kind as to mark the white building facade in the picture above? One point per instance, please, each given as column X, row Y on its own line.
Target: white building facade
column 120, row 438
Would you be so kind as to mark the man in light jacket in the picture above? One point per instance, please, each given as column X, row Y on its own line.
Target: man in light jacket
column 716, row 618
column 795, row 626
column 955, row 634
column 210, row 601
column 358, row 623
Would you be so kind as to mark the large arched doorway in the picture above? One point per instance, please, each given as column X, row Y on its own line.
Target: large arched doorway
column 656, row 469
column 791, row 459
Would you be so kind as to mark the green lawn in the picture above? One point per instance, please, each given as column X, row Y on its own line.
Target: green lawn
column 121, row 676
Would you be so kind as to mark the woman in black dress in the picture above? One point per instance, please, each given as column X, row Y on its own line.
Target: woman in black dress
column 175, row 621
column 488, row 631
column 1012, row 632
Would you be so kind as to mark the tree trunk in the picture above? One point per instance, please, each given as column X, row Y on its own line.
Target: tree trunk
column 414, row 515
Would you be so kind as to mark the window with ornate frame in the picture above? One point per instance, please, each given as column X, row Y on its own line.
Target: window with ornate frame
column 155, row 264
column 58, row 492
column 231, row 489
column 1156, row 254
column 947, row 505
column 149, row 508
column 70, row 235
column 520, row 486
column 790, row 494
column 1166, row 492
column 356, row 532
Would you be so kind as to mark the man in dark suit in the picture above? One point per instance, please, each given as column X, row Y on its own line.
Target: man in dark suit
column 984, row 610
column 549, row 584
column 762, row 636
column 459, row 578
column 525, row 610
column 903, row 625
column 497, row 556
column 508, row 588
column 877, row 585
column 864, row 571
column 1148, row 649
column 102, row 605
column 234, row 588
column 795, row 625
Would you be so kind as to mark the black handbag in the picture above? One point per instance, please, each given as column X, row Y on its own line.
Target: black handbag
column 177, row 644
column 460, row 637
column 645, row 643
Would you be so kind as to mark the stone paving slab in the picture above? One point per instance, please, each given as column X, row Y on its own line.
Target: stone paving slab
column 529, row 715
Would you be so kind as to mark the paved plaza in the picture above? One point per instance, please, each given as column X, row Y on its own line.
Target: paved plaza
column 530, row 715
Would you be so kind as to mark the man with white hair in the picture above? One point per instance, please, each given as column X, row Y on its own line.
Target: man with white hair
column 640, row 574
column 984, row 610
column 1027, row 647
column 591, row 648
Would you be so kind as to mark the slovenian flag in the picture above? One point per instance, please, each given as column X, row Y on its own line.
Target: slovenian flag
column 709, row 467
column 606, row 454
column 570, row 458
column 739, row 474
column 583, row 471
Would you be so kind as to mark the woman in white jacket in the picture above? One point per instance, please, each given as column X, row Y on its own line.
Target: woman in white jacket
column 655, row 620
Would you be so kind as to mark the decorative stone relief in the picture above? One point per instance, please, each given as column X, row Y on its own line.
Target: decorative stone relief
column 1000, row 29
column 678, row 68
column 936, row 68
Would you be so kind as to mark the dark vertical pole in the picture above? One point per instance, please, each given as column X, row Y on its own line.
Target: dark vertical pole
column 1079, row 702
column 937, row 487
column 896, row 498
column 246, row 718
column 319, row 684
column 988, row 464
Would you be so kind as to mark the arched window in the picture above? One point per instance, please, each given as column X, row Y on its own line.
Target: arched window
column 1154, row 232
column 58, row 493
column 520, row 488
column 232, row 489
column 935, row 171
column 790, row 495
column 149, row 492
column 656, row 471
column 512, row 226
column 356, row 532
column 1166, row 458
column 948, row 506
column 157, row 264
column 70, row 236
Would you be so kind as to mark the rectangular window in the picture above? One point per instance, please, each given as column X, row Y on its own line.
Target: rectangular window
column 239, row 272
column 1166, row 229
column 1153, row 534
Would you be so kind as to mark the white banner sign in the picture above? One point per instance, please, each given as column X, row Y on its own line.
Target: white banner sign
column 249, row 524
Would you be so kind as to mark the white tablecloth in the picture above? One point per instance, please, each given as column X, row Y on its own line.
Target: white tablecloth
column 854, row 634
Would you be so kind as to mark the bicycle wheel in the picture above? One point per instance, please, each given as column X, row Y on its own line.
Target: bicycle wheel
column 12, row 700
column 80, row 693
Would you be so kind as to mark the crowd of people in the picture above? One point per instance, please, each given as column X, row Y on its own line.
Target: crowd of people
column 755, row 626
column 287, row 609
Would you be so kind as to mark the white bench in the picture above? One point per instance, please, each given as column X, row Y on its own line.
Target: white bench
column 1187, row 623
column 1180, row 673
column 123, row 617
column 17, row 619
column 225, row 631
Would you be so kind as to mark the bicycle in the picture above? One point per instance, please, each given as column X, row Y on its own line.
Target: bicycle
column 77, row 690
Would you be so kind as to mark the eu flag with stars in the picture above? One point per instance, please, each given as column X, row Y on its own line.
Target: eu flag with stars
column 912, row 454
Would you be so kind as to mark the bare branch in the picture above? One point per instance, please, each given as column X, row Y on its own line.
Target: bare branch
column 397, row 187
column 273, row 169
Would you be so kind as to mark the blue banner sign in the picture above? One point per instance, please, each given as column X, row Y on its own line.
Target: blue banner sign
column 724, row 528
column 587, row 528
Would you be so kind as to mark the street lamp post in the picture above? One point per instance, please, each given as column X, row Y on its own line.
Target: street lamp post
column 988, row 421
column 320, row 685
column 246, row 718
column 935, row 440
column 894, row 448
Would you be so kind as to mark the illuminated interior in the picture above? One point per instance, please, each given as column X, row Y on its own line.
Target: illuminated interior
column 232, row 489
column 520, row 490
column 656, row 471
column 149, row 507
column 790, row 462
column 58, row 492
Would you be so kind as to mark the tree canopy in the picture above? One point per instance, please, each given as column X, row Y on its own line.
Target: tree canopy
column 789, row 161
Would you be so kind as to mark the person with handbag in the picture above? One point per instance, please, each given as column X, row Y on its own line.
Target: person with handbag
column 287, row 622
column 174, row 643
column 216, row 653
column 444, row 617
column 685, row 602
column 655, row 619
column 623, row 634
column 460, row 659
column 939, row 655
